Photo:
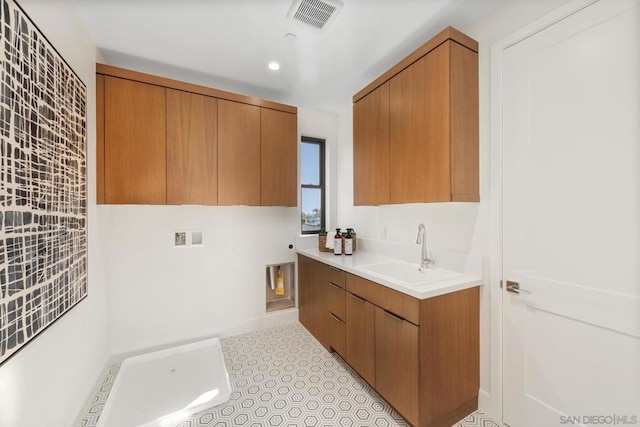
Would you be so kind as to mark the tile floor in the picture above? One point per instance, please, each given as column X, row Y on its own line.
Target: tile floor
column 283, row 377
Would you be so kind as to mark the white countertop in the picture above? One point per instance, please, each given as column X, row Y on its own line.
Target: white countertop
column 353, row 264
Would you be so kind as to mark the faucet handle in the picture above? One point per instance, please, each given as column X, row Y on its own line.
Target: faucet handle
column 426, row 262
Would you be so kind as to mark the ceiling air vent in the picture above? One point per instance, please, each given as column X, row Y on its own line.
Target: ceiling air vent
column 316, row 14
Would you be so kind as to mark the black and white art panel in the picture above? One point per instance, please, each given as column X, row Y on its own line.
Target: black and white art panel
column 43, row 194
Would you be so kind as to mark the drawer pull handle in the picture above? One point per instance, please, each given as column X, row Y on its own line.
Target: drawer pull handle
column 393, row 316
column 357, row 298
column 336, row 318
column 335, row 286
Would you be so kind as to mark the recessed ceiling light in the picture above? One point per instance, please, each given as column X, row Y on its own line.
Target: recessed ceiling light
column 273, row 65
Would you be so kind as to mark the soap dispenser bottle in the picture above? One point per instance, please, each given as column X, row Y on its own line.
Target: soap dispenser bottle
column 348, row 243
column 337, row 243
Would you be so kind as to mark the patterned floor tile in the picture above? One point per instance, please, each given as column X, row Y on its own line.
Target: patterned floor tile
column 283, row 377
column 477, row 419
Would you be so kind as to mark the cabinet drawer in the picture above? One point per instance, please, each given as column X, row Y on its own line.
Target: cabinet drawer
column 337, row 276
column 391, row 300
column 337, row 333
column 335, row 300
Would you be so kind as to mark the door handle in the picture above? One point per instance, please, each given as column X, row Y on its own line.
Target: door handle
column 356, row 297
column 514, row 288
column 334, row 317
column 393, row 316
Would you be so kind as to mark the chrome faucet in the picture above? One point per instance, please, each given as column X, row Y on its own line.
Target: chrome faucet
column 422, row 239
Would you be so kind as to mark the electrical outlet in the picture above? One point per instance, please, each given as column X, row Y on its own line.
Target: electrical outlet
column 259, row 249
column 196, row 238
column 180, row 239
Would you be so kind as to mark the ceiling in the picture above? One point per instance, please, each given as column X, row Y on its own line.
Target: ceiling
column 228, row 43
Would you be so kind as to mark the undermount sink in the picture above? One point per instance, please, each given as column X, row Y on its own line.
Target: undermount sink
column 409, row 273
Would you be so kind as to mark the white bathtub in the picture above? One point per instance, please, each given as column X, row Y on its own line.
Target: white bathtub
column 161, row 388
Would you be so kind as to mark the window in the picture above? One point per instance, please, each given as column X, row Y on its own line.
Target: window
column 312, row 183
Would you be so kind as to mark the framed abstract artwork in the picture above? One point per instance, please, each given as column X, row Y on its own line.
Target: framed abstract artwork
column 43, row 191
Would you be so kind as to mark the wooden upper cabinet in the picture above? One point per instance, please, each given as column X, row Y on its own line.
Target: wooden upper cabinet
column 134, row 142
column 464, row 124
column 161, row 141
column 100, row 138
column 192, row 151
column 371, row 148
column 432, row 126
column 278, row 158
column 419, row 138
column 238, row 153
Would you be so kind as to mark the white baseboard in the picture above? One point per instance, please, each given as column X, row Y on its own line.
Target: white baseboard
column 485, row 405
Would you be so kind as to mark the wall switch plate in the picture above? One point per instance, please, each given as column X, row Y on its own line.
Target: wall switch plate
column 180, row 239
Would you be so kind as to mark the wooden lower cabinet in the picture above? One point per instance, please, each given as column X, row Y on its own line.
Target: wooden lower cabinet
column 312, row 298
column 360, row 322
column 421, row 356
column 397, row 373
column 337, row 331
column 335, row 300
column 336, row 311
column 449, row 357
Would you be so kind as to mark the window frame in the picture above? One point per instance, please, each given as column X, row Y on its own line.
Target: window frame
column 321, row 186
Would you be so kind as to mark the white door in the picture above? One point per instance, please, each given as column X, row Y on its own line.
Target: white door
column 571, row 220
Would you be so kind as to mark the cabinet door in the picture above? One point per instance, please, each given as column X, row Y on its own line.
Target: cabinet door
column 192, row 152
column 312, row 304
column 419, row 110
column 238, row 153
column 360, row 337
column 396, row 343
column 336, row 337
column 134, row 143
column 305, row 292
column 371, row 148
column 279, row 158
column 464, row 125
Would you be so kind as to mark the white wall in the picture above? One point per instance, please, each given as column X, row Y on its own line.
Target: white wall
column 161, row 295
column 461, row 227
column 52, row 376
